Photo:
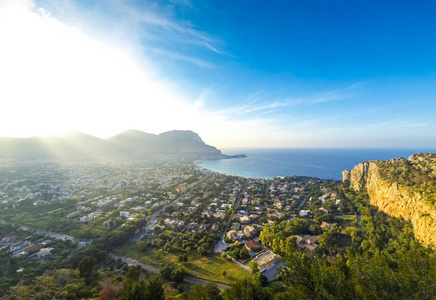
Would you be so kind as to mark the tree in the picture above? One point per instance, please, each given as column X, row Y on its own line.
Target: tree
column 246, row 290
column 224, row 273
column 154, row 289
column 208, row 292
column 172, row 274
column 87, row 269
column 254, row 267
column 202, row 251
column 108, row 292
column 260, row 279
column 142, row 246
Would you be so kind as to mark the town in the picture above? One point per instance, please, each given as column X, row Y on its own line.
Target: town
column 172, row 212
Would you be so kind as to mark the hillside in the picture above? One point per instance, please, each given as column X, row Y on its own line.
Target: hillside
column 402, row 188
column 131, row 144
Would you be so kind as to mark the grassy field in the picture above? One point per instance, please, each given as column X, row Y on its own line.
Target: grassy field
column 209, row 267
column 346, row 221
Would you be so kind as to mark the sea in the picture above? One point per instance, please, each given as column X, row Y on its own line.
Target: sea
column 313, row 162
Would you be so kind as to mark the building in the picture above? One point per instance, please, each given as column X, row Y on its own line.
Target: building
column 233, row 235
column 252, row 246
column 33, row 248
column 249, row 230
column 326, row 225
column 124, row 214
column 244, row 220
column 309, row 242
column 266, row 260
column 7, row 240
column 304, row 213
column 44, row 253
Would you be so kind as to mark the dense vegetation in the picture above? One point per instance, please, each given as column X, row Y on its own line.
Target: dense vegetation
column 417, row 173
column 375, row 259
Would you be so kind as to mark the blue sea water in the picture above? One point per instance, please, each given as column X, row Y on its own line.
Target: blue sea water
column 321, row 163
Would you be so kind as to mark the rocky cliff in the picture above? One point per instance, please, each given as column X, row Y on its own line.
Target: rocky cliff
column 402, row 188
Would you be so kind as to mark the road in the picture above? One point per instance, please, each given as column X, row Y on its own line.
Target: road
column 155, row 270
column 221, row 245
column 300, row 206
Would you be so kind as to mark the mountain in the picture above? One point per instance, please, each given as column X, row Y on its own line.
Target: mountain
column 402, row 188
column 186, row 142
column 129, row 144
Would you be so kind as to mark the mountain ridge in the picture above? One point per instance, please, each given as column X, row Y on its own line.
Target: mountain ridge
column 128, row 144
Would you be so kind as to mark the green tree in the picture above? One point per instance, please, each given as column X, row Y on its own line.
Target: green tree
column 246, row 290
column 87, row 269
column 253, row 266
column 208, row 292
column 260, row 279
column 154, row 289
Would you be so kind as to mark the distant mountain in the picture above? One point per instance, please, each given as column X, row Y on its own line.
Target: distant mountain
column 128, row 144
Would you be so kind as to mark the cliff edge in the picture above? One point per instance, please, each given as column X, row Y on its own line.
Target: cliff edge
column 402, row 188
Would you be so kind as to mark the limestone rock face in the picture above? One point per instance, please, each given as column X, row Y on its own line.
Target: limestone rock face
column 398, row 199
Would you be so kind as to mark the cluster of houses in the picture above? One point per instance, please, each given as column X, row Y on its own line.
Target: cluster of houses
column 25, row 247
column 238, row 232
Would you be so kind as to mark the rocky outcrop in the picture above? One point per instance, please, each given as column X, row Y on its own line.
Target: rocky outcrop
column 396, row 197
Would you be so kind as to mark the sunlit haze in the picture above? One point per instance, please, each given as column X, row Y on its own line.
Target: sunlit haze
column 240, row 75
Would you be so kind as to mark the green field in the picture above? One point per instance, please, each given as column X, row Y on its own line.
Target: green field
column 346, row 221
column 207, row 267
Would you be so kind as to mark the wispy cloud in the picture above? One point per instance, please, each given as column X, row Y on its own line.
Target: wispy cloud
column 159, row 22
column 261, row 101
column 177, row 56
column 402, row 123
column 145, row 24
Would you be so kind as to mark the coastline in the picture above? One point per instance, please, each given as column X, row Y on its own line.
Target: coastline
column 316, row 163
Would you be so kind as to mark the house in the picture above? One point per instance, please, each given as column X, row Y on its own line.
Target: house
column 124, row 214
column 309, row 242
column 233, row 235
column 326, row 225
column 244, row 220
column 132, row 217
column 7, row 240
column 73, row 215
column 193, row 227
column 266, row 260
column 324, row 210
column 249, row 230
column 33, row 248
column 304, row 213
column 215, row 228
column 252, row 246
column 44, row 253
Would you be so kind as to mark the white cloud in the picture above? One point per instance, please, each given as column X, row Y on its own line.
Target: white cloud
column 55, row 78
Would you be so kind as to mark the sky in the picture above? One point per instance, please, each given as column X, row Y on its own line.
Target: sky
column 239, row 73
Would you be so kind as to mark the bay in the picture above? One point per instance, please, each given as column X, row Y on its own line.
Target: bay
column 313, row 162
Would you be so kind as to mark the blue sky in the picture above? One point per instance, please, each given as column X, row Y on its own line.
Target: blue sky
column 240, row 73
